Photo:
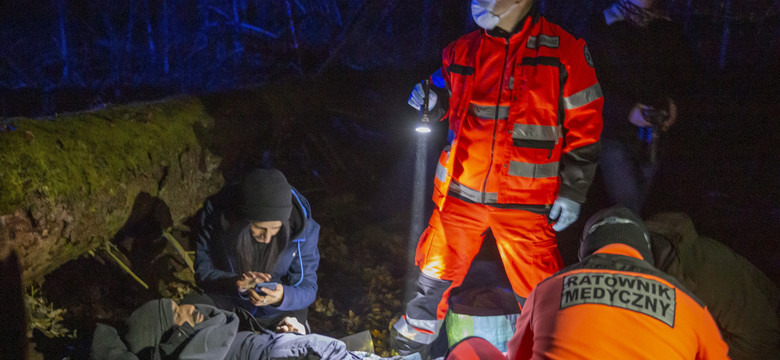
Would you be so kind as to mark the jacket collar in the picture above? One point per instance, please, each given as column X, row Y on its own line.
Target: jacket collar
column 533, row 15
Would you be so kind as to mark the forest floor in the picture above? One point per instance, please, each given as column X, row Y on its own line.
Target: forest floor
column 359, row 175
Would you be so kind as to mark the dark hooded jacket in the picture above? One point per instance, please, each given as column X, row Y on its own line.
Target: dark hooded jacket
column 637, row 65
column 743, row 301
column 151, row 333
column 216, row 261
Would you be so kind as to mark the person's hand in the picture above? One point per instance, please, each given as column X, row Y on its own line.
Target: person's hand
column 672, row 116
column 417, row 96
column 565, row 211
column 636, row 117
column 290, row 324
column 267, row 297
column 249, row 279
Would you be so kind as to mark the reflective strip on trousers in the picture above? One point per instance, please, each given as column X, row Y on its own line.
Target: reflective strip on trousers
column 405, row 328
column 582, row 98
column 536, row 132
column 551, row 42
column 475, row 196
column 489, row 112
column 530, row 170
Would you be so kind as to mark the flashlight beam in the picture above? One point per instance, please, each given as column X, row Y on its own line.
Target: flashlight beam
column 417, row 222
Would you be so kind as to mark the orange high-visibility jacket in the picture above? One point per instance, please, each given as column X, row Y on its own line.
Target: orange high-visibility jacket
column 546, row 109
column 612, row 305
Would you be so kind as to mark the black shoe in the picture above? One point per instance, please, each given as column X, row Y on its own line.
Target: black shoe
column 404, row 347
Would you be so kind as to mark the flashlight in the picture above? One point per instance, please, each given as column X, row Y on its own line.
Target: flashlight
column 424, row 126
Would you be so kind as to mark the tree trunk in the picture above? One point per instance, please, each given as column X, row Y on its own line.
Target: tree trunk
column 428, row 32
column 13, row 317
column 688, row 22
column 63, row 41
column 237, row 48
column 70, row 184
column 294, row 37
column 149, row 31
column 333, row 10
column 165, row 27
column 130, row 23
column 724, row 43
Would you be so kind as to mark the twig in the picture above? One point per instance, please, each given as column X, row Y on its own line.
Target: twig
column 108, row 249
column 262, row 31
column 176, row 245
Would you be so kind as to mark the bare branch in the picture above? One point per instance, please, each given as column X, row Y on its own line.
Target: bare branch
column 256, row 29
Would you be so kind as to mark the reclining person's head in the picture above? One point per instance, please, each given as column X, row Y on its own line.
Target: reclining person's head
column 161, row 326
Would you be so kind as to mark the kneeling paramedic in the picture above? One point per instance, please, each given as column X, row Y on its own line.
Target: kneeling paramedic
column 614, row 304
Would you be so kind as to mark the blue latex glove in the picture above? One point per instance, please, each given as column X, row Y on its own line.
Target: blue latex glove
column 565, row 211
column 417, row 95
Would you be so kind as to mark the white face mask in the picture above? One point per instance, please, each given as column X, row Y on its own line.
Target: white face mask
column 482, row 13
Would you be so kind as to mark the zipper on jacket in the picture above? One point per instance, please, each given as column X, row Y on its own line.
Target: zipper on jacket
column 495, row 118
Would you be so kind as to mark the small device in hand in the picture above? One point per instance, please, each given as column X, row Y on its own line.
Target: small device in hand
column 656, row 117
column 267, row 285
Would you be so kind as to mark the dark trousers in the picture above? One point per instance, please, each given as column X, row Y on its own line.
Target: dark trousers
column 627, row 172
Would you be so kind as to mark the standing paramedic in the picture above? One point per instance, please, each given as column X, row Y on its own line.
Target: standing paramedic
column 259, row 231
column 524, row 112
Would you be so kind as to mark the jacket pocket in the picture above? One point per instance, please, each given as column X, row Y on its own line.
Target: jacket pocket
column 541, row 137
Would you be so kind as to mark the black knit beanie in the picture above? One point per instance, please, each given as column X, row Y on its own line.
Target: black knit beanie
column 266, row 196
column 615, row 225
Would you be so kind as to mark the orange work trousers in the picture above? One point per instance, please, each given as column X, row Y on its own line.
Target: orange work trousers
column 525, row 240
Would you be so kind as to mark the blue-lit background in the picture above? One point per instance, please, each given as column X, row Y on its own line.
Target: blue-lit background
column 722, row 159
column 65, row 55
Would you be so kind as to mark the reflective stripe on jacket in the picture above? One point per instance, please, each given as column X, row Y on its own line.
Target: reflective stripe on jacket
column 547, row 126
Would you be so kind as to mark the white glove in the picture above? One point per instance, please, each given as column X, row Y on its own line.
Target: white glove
column 565, row 211
column 417, row 95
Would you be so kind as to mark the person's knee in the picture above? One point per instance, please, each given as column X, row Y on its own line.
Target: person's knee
column 474, row 348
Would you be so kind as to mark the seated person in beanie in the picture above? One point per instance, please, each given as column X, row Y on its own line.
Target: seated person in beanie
column 259, row 230
column 162, row 329
column 613, row 304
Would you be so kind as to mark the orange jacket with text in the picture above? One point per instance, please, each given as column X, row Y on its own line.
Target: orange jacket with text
column 613, row 305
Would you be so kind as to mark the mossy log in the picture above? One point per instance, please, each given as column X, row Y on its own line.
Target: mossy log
column 69, row 183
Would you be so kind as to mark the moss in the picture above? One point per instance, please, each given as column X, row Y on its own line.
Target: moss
column 83, row 154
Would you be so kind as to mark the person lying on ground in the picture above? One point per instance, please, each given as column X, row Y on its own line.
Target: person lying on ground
column 162, row 329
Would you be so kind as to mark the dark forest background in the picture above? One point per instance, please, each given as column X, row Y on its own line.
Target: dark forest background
column 721, row 160
column 68, row 55
column 719, row 163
